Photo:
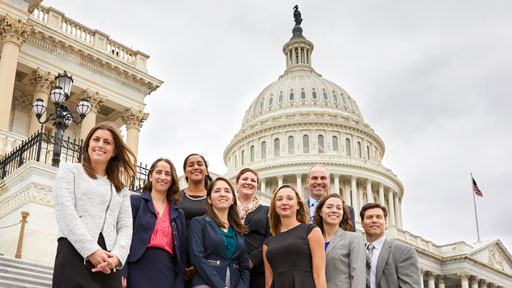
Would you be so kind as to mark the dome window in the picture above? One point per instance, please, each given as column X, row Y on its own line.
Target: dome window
column 252, row 153
column 261, row 104
column 335, row 97
column 334, row 145
column 358, row 150
column 291, row 145
column 326, row 97
column 347, row 147
column 243, row 157
column 292, row 96
column 270, row 101
column 277, row 146
column 305, row 144
column 281, row 98
column 343, row 99
column 321, row 148
column 303, row 95
column 314, row 96
column 263, row 150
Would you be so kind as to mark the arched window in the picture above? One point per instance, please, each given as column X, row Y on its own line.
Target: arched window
column 261, row 104
column 343, row 99
column 314, row 96
column 368, row 151
column 263, row 150
column 271, row 100
column 347, row 147
column 277, row 145
column 358, row 149
column 292, row 97
column 281, row 97
column 236, row 161
column 291, row 145
column 252, row 153
column 335, row 98
column 242, row 157
column 303, row 95
column 326, row 97
column 321, row 148
column 305, row 144
column 334, row 145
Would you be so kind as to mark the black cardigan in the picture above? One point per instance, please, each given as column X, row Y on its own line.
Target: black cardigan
column 259, row 230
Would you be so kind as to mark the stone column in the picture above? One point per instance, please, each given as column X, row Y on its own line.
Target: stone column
column 42, row 82
column 279, row 181
column 391, row 208
column 484, row 283
column 355, row 204
column 336, row 183
column 422, row 274
column 397, row 211
column 263, row 187
column 12, row 34
column 381, row 194
column 464, row 277
column 348, row 199
column 299, row 183
column 474, row 281
column 369, row 192
column 89, row 122
column 133, row 120
column 431, row 278
column 440, row 281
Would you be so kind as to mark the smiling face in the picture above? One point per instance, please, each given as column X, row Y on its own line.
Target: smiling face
column 318, row 182
column 161, row 177
column 332, row 211
column 221, row 197
column 247, row 184
column 101, row 147
column 195, row 169
column 374, row 224
column 286, row 203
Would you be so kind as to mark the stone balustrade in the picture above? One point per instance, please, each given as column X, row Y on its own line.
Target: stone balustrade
column 54, row 19
column 9, row 140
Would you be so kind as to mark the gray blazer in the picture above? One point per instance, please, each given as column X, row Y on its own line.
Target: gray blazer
column 397, row 266
column 345, row 261
column 81, row 209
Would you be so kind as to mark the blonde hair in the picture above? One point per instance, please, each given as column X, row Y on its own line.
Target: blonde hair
column 275, row 220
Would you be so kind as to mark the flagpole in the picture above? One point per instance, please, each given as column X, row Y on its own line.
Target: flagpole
column 474, row 203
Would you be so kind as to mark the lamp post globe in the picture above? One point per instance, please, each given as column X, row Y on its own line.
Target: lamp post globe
column 39, row 107
column 64, row 81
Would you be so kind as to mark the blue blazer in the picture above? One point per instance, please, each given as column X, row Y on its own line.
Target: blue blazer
column 144, row 220
column 208, row 255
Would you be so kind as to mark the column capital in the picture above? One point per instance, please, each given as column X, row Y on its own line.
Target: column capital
column 134, row 118
column 22, row 102
column 464, row 276
column 42, row 80
column 431, row 275
column 280, row 177
column 299, row 175
column 440, row 279
column 14, row 30
column 474, row 279
column 95, row 99
column 422, row 272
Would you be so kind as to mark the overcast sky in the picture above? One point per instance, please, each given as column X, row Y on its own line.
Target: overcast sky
column 432, row 78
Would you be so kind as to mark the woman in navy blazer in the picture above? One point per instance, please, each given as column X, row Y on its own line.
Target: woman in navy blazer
column 208, row 235
column 158, row 250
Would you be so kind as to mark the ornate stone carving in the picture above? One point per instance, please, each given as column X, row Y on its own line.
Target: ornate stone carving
column 42, row 81
column 496, row 259
column 32, row 193
column 14, row 30
column 134, row 118
column 22, row 102
column 440, row 279
column 474, row 280
column 431, row 276
column 94, row 98
column 464, row 276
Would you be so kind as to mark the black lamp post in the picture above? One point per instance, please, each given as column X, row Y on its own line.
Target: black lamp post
column 62, row 117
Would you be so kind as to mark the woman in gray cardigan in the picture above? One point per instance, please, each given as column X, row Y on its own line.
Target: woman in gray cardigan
column 344, row 249
column 92, row 206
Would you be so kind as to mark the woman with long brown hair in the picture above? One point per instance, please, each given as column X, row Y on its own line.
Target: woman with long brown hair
column 158, row 250
column 217, row 247
column 294, row 256
column 345, row 255
column 92, row 207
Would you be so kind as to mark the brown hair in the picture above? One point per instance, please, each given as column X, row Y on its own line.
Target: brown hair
column 207, row 177
column 233, row 217
column 275, row 220
column 369, row 206
column 245, row 170
column 120, row 168
column 345, row 223
column 174, row 189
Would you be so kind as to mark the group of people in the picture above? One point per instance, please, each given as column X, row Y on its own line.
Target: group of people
column 212, row 234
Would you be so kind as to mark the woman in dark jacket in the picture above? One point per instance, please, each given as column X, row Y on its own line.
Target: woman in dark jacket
column 255, row 217
column 217, row 248
column 158, row 250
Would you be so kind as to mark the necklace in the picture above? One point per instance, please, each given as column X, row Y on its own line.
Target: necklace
column 194, row 198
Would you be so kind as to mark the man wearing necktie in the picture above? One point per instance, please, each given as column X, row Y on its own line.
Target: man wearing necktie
column 318, row 182
column 389, row 264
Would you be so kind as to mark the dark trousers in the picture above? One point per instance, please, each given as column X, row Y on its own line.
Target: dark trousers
column 70, row 272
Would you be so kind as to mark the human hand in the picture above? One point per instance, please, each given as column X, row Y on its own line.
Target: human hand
column 251, row 264
column 189, row 272
column 98, row 259
column 124, row 281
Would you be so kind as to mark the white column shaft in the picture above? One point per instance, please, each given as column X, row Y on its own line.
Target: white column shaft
column 381, row 195
column 397, row 211
column 355, row 204
column 8, row 63
column 391, row 208
column 369, row 192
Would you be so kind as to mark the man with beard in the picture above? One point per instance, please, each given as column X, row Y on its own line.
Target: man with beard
column 318, row 182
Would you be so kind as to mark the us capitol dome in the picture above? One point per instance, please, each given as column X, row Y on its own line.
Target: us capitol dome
column 303, row 119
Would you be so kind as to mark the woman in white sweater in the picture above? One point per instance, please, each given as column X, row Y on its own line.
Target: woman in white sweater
column 92, row 206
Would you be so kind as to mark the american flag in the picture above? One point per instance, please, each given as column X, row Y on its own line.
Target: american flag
column 476, row 189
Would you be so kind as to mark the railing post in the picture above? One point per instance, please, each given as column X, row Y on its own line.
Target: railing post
column 80, row 152
column 20, row 151
column 24, row 216
column 39, row 144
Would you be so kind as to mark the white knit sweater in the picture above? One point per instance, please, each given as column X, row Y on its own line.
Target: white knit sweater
column 80, row 205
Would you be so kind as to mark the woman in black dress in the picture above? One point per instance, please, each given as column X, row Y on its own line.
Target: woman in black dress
column 294, row 256
column 255, row 217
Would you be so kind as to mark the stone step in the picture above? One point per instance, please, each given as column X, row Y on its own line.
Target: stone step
column 26, row 266
column 23, row 273
column 21, row 281
column 9, row 284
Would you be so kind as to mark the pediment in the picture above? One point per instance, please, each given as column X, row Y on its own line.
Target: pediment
column 493, row 254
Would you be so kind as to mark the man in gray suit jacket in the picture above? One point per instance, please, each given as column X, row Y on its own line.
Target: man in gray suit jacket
column 389, row 264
